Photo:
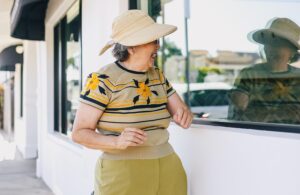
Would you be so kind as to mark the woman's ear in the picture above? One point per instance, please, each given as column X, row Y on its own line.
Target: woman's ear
column 130, row 50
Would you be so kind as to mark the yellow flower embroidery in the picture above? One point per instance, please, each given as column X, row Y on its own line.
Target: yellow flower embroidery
column 281, row 90
column 144, row 90
column 92, row 82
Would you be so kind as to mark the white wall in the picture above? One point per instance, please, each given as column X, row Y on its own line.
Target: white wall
column 26, row 126
column 96, row 25
column 19, row 135
column 227, row 161
column 8, row 103
column 219, row 161
column 66, row 167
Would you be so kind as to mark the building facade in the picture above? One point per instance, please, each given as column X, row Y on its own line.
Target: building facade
column 220, row 156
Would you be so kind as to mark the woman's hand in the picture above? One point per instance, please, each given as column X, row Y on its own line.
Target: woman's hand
column 183, row 117
column 179, row 111
column 130, row 137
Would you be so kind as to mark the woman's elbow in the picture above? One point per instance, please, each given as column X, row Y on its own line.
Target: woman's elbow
column 75, row 137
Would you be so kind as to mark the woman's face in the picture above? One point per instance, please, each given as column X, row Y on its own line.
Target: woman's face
column 280, row 51
column 146, row 54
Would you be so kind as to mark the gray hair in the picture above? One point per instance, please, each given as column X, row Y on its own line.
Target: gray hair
column 120, row 52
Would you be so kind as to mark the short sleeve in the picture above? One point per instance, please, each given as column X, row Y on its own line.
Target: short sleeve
column 166, row 84
column 95, row 93
column 243, row 82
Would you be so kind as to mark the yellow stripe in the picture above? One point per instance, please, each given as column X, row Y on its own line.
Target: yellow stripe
column 109, row 128
column 140, row 102
column 122, row 105
column 117, row 127
column 98, row 98
column 134, row 114
column 121, row 87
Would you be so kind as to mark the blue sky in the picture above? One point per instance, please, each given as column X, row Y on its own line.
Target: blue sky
column 224, row 24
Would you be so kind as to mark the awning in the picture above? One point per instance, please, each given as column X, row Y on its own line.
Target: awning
column 11, row 56
column 27, row 19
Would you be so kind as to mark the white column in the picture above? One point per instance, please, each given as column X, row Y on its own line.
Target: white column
column 8, row 104
column 26, row 133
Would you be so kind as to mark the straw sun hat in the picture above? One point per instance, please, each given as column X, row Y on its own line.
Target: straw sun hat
column 135, row 27
column 278, row 27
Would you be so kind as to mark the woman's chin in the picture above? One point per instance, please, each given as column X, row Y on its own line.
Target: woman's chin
column 151, row 63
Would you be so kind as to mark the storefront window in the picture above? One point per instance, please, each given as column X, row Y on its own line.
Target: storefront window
column 234, row 72
column 67, row 44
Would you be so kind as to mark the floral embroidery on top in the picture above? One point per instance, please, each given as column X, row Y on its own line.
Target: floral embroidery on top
column 281, row 90
column 93, row 82
column 143, row 90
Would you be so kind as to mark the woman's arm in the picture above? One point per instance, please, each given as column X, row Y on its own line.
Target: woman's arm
column 84, row 132
column 179, row 111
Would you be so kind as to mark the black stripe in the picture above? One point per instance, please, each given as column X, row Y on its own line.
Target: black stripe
column 93, row 101
column 106, row 132
column 138, row 107
column 126, row 83
column 131, row 71
column 126, row 87
column 136, row 121
column 154, row 128
column 125, row 112
column 171, row 93
column 111, row 134
column 169, row 90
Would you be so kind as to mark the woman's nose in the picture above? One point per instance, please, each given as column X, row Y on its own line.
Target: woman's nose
column 157, row 46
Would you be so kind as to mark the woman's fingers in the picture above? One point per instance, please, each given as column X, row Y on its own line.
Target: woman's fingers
column 131, row 137
column 183, row 117
column 178, row 115
column 134, row 130
column 135, row 133
column 134, row 137
column 189, row 120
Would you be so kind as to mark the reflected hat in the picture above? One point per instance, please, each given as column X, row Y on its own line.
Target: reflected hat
column 278, row 27
column 135, row 27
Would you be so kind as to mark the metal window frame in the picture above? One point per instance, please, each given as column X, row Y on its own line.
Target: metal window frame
column 60, row 64
column 276, row 127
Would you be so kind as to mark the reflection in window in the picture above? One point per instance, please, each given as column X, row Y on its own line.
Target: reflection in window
column 223, row 57
column 271, row 87
column 67, row 68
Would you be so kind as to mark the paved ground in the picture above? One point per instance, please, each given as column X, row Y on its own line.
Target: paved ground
column 17, row 176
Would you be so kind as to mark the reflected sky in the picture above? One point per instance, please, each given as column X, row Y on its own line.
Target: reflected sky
column 224, row 24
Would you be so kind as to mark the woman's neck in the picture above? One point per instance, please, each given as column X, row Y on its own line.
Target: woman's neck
column 278, row 66
column 135, row 65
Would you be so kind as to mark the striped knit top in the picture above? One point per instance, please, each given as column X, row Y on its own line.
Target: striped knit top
column 131, row 99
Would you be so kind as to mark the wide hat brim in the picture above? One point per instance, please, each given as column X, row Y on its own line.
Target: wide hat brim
column 263, row 36
column 145, row 35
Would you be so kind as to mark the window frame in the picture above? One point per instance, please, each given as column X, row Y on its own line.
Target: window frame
column 277, row 127
column 60, row 64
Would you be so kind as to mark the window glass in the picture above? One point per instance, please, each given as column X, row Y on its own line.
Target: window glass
column 67, row 78
column 242, row 57
column 73, row 64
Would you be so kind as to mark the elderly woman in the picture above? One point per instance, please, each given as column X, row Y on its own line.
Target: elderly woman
column 269, row 92
column 130, row 103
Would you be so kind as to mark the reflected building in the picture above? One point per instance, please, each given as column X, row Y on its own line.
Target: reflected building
column 229, row 64
column 175, row 69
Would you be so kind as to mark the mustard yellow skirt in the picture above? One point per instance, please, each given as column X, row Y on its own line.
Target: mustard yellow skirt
column 162, row 176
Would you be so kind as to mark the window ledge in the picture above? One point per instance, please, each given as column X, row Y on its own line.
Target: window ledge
column 289, row 128
column 65, row 142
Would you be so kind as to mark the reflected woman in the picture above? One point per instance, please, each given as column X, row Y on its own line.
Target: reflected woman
column 269, row 92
